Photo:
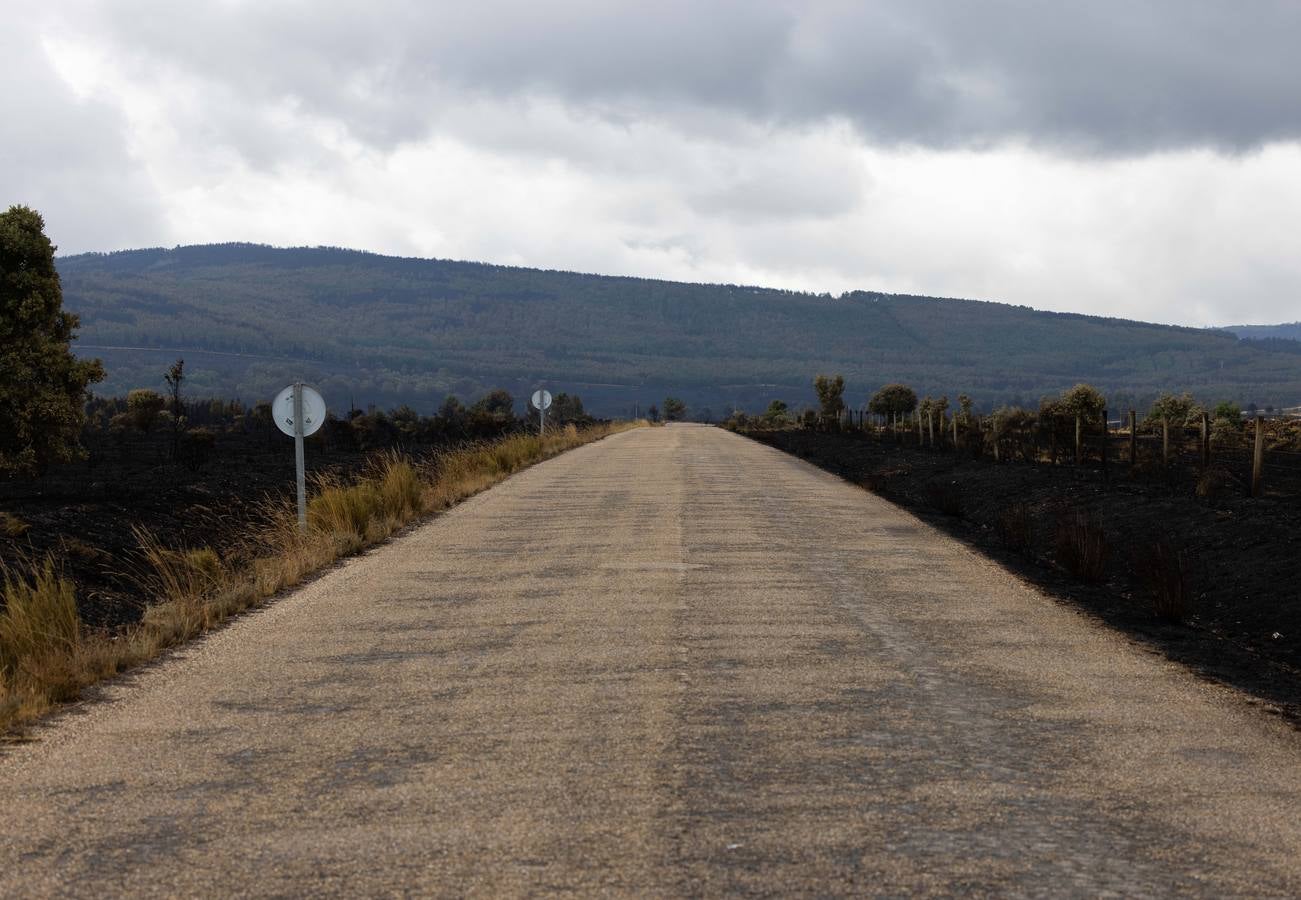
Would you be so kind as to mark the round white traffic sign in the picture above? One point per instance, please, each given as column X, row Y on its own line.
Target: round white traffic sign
column 541, row 399
column 282, row 410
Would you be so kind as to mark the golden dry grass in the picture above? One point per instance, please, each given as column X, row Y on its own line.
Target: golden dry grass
column 12, row 526
column 47, row 657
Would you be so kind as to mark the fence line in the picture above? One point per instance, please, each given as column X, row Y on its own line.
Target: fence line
column 1241, row 455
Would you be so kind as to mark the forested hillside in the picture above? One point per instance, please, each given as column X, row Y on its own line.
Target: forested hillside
column 1288, row 331
column 367, row 328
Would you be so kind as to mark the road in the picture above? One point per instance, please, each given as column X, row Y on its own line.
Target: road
column 671, row 663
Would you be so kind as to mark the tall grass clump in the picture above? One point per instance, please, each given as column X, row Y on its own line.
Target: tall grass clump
column 1015, row 527
column 1081, row 546
column 39, row 618
column 1166, row 570
column 39, row 632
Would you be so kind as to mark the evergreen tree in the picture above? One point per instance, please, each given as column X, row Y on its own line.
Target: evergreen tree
column 43, row 387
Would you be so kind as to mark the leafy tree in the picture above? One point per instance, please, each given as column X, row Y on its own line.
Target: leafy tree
column 406, row 421
column 777, row 414
column 939, row 407
column 965, row 408
column 499, row 404
column 653, row 413
column 1178, row 411
column 893, row 399
column 1228, row 411
column 568, row 409
column 143, row 408
column 831, row 395
column 1085, row 401
column 674, row 409
column 43, row 387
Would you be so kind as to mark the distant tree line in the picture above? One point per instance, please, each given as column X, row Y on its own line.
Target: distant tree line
column 1054, row 420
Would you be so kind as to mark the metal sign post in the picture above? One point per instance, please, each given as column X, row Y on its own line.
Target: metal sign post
column 299, row 411
column 541, row 401
column 298, row 455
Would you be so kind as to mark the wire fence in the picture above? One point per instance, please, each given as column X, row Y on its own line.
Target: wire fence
column 1259, row 457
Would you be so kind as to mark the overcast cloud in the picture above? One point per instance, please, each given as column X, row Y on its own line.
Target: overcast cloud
column 1137, row 159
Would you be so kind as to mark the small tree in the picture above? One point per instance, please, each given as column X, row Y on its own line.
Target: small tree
column 964, row 407
column 143, row 408
column 831, row 395
column 1085, row 401
column 1177, row 410
column 674, row 409
column 175, row 376
column 653, row 413
column 777, row 414
column 43, row 387
column 1227, row 411
column 892, row 400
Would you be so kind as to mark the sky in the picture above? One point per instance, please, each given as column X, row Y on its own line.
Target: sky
column 1115, row 157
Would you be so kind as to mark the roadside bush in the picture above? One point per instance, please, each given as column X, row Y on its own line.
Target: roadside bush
column 1081, row 545
column 1015, row 527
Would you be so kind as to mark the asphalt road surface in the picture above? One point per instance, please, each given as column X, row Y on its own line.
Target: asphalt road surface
column 671, row 663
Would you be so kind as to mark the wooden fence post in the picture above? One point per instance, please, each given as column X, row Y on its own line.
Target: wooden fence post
column 1206, row 440
column 955, row 434
column 1133, row 438
column 993, row 430
column 1079, row 441
column 1258, row 458
column 1165, row 441
column 1106, row 439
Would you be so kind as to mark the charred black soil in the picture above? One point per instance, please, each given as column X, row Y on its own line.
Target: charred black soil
column 1114, row 548
column 83, row 514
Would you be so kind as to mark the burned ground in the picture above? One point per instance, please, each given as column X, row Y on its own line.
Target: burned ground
column 1241, row 560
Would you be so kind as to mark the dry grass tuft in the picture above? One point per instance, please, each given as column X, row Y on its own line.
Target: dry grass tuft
column 1015, row 527
column 11, row 526
column 1081, row 546
column 1166, row 570
column 47, row 658
column 39, row 633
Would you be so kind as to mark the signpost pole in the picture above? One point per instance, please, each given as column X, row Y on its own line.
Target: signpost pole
column 542, row 421
column 298, row 455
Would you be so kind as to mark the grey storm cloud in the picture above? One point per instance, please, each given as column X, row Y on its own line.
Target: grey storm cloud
column 1110, row 77
column 55, row 151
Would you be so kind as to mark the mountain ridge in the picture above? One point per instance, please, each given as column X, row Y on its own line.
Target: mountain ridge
column 390, row 329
